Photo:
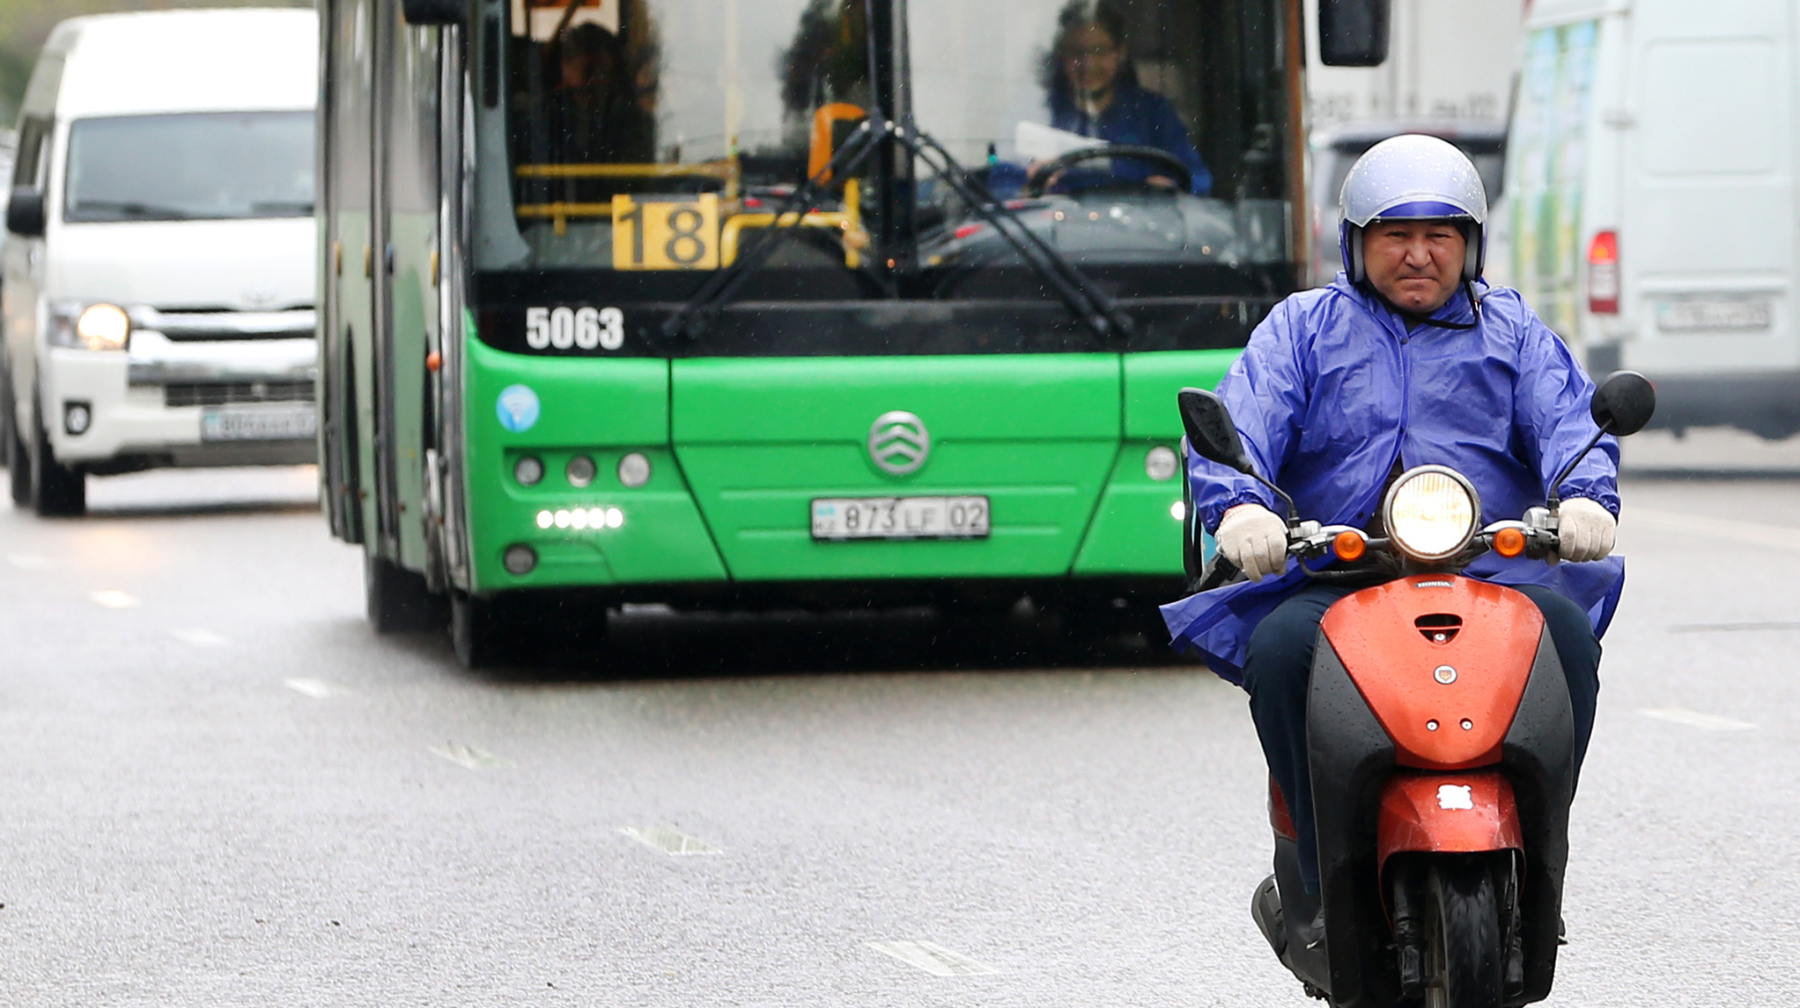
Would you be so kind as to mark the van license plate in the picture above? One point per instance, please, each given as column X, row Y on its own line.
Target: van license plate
column 841, row 518
column 1698, row 315
column 259, row 423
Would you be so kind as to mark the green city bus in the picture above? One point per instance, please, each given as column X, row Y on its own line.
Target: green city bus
column 788, row 303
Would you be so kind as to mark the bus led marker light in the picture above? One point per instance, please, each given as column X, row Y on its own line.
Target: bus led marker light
column 528, row 470
column 1160, row 463
column 519, row 559
column 634, row 470
column 581, row 471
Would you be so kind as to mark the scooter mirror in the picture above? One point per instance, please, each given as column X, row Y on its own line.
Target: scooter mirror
column 1210, row 430
column 1624, row 403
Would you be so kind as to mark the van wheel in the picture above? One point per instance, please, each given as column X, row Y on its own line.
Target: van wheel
column 398, row 599
column 57, row 491
column 18, row 467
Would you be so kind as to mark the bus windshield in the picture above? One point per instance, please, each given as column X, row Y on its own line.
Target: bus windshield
column 1130, row 135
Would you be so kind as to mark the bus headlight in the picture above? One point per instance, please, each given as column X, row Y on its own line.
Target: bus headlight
column 1431, row 512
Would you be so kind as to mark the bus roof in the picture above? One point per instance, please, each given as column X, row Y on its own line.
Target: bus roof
column 187, row 61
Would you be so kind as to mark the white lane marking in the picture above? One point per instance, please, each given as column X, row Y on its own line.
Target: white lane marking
column 670, row 841
column 318, row 689
column 29, row 561
column 1730, row 627
column 112, row 598
column 932, row 958
column 468, row 757
column 198, row 636
column 1748, row 533
column 1695, row 719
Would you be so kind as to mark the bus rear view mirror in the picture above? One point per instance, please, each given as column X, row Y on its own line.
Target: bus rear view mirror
column 1353, row 33
column 434, row 12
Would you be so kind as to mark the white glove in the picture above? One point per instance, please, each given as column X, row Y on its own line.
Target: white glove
column 1253, row 538
column 1585, row 530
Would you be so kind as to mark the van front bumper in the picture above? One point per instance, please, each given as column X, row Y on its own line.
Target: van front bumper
column 147, row 407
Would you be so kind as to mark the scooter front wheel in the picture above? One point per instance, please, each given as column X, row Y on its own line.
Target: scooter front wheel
column 1464, row 955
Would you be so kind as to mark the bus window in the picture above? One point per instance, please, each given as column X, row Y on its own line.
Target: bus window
column 621, row 109
column 1146, row 133
column 657, row 135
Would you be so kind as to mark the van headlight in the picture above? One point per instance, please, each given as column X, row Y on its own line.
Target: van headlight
column 1430, row 512
column 89, row 326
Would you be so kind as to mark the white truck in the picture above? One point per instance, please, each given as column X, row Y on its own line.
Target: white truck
column 1652, row 182
column 159, row 260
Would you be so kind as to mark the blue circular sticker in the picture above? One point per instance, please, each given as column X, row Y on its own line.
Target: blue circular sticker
column 518, row 408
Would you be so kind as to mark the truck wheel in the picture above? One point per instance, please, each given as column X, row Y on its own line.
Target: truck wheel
column 1464, row 957
column 57, row 491
column 398, row 599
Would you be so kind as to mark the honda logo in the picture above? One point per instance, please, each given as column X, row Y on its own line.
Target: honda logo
column 899, row 442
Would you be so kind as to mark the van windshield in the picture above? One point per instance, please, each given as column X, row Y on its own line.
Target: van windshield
column 191, row 166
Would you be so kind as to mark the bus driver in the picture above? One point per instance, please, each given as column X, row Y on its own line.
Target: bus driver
column 1093, row 90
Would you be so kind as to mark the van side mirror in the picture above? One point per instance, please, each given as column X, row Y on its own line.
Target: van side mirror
column 1210, row 431
column 1353, row 33
column 1624, row 403
column 434, row 12
column 25, row 212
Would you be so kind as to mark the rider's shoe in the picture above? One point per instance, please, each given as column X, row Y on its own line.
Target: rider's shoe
column 1312, row 934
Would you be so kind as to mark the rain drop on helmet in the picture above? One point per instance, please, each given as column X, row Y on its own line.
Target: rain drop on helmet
column 1413, row 177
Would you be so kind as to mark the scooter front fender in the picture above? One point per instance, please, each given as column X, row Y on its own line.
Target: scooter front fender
column 1459, row 813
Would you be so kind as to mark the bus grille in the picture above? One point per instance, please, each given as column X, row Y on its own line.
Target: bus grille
column 233, row 393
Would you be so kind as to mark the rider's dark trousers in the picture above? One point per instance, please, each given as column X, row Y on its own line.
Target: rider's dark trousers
column 1279, row 669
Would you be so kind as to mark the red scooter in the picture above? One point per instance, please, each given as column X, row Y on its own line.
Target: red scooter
column 1441, row 747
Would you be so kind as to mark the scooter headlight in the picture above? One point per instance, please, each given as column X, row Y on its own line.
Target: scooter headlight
column 1431, row 513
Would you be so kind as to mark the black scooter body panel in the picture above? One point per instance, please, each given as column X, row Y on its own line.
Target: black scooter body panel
column 1350, row 754
column 1538, row 757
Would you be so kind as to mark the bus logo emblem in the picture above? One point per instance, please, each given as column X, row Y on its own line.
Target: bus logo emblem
column 899, row 442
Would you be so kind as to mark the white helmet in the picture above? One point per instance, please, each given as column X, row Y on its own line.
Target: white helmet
column 1413, row 177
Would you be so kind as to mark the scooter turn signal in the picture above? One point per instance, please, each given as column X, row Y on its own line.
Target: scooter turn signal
column 1349, row 546
column 1509, row 542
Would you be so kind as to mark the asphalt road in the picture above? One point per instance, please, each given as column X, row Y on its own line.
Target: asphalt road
column 220, row 788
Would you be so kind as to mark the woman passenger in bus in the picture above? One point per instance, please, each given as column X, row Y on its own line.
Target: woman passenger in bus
column 1093, row 90
column 591, row 114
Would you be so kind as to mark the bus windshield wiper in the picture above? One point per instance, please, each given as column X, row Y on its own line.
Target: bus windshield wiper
column 1085, row 301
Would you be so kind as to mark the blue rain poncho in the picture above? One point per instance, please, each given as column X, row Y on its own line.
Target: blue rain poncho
column 1334, row 387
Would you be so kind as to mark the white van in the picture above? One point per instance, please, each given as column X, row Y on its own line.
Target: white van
column 159, row 261
column 1651, row 176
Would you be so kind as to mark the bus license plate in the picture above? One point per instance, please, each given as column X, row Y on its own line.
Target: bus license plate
column 258, row 423
column 840, row 518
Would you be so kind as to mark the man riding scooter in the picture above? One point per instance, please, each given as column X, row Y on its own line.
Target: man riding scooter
column 1407, row 359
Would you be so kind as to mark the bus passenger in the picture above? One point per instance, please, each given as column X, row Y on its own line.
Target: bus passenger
column 592, row 113
column 1093, row 90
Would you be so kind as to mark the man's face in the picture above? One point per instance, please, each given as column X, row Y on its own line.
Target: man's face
column 1415, row 264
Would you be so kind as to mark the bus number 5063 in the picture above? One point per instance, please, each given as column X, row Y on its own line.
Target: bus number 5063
column 585, row 328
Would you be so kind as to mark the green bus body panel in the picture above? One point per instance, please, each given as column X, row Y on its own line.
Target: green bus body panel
column 740, row 446
column 600, row 408
column 1134, row 532
column 1152, row 379
column 759, row 438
